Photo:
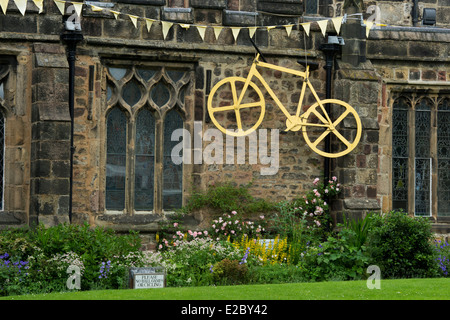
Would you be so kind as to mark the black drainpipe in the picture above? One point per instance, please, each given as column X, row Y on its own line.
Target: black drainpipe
column 71, row 38
column 415, row 13
column 330, row 49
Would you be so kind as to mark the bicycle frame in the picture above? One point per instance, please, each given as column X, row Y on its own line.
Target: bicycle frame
column 305, row 75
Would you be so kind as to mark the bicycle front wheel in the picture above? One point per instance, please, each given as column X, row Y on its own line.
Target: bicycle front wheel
column 232, row 114
column 341, row 124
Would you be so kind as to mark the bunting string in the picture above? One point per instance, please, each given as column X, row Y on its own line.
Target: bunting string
column 167, row 25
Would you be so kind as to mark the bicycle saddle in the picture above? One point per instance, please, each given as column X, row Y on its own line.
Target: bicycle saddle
column 312, row 65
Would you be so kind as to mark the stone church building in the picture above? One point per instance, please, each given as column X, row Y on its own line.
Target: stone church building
column 92, row 93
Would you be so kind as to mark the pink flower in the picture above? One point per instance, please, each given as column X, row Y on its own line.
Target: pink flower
column 205, row 233
column 232, row 231
column 334, row 178
column 233, row 212
column 160, row 246
column 175, row 224
column 261, row 216
column 316, row 181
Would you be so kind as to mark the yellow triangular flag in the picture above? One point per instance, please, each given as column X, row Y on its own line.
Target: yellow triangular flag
column 134, row 20
column 166, row 27
column 369, row 25
column 149, row 23
column 116, row 13
column 39, row 4
column 185, row 26
column 21, row 5
column 95, row 8
column 337, row 22
column 4, row 5
column 235, row 32
column 201, row 31
column 78, row 7
column 306, row 27
column 270, row 28
column 217, row 31
column 323, row 26
column 61, row 5
column 251, row 31
column 288, row 29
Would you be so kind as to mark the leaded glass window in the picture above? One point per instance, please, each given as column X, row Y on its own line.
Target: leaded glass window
column 2, row 159
column 400, row 126
column 146, row 104
column 116, row 152
column 421, row 154
column 443, row 150
column 422, row 165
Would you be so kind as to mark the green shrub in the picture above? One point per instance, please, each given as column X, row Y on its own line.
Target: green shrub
column 401, row 245
column 227, row 197
column 335, row 259
column 229, row 272
column 276, row 273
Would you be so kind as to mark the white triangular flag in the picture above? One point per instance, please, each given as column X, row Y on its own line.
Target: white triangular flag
column 288, row 29
column 217, row 31
column 337, row 22
column 201, row 31
column 4, row 5
column 251, row 31
column 149, row 23
column 116, row 13
column 323, row 26
column 134, row 20
column 21, row 5
column 369, row 25
column 61, row 6
column 78, row 7
column 235, row 31
column 306, row 27
column 39, row 4
column 166, row 27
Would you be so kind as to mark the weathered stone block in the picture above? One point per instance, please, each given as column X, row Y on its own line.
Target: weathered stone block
column 210, row 4
column 184, row 15
column 238, row 18
column 292, row 7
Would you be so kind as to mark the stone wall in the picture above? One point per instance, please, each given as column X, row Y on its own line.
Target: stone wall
column 38, row 133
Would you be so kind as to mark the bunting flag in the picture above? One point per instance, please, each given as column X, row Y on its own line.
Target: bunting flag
column 251, row 31
column 166, row 25
column 306, row 27
column 217, row 31
column 235, row 31
column 78, row 7
column 39, row 4
column 116, row 13
column 134, row 20
column 337, row 22
column 369, row 25
column 61, row 5
column 323, row 26
column 288, row 29
column 201, row 31
column 149, row 23
column 21, row 5
column 4, row 5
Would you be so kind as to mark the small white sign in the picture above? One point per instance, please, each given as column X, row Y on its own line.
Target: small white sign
column 146, row 281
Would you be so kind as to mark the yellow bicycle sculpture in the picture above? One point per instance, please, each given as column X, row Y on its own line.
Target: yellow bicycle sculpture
column 236, row 94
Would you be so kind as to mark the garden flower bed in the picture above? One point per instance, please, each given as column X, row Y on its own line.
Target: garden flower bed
column 296, row 244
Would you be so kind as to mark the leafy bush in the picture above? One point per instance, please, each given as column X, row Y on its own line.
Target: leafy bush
column 49, row 251
column 189, row 262
column 360, row 227
column 335, row 259
column 229, row 272
column 227, row 197
column 401, row 245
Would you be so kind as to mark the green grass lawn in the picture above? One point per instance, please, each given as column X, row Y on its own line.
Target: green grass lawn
column 402, row 289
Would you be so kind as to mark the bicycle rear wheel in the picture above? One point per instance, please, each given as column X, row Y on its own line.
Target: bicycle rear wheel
column 344, row 130
column 229, row 116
